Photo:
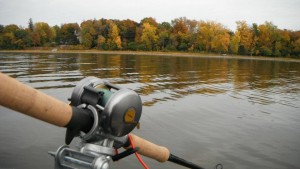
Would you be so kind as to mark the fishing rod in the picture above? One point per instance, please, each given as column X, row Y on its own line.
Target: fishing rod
column 100, row 114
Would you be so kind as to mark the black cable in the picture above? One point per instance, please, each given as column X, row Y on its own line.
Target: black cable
column 183, row 162
column 125, row 153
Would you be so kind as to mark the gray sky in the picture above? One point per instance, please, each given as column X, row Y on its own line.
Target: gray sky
column 283, row 13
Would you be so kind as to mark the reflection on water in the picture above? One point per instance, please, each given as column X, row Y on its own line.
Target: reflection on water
column 234, row 96
column 161, row 78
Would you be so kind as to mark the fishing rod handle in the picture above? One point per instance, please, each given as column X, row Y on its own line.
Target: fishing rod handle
column 151, row 150
column 29, row 101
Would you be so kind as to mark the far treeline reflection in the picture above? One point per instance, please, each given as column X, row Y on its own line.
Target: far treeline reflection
column 180, row 74
column 181, row 34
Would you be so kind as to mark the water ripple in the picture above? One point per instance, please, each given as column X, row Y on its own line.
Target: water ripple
column 161, row 83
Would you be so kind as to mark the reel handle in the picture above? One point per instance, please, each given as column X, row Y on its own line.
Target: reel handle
column 151, row 150
column 29, row 101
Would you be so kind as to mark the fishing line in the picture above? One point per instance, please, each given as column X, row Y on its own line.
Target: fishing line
column 137, row 154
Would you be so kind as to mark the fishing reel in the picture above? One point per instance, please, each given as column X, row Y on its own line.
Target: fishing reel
column 115, row 112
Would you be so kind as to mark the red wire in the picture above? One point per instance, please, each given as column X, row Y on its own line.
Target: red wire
column 137, row 154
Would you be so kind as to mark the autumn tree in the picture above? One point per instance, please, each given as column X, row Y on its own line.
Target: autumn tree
column 151, row 21
column 180, row 33
column 191, row 35
column 213, row 36
column 267, row 38
column 114, row 39
column 149, row 37
column 205, row 36
column 42, row 34
column 234, row 43
column 245, row 35
column 101, row 42
column 253, row 44
column 146, row 35
column 222, row 40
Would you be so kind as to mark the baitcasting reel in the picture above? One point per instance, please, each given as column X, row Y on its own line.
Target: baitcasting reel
column 115, row 112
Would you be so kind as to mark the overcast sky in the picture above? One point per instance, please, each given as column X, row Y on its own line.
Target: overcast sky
column 283, row 13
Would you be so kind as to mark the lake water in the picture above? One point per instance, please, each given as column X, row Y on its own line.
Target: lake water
column 242, row 113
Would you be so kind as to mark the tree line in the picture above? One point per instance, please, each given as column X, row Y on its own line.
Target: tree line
column 181, row 34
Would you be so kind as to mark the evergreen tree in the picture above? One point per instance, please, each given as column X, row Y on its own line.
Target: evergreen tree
column 30, row 24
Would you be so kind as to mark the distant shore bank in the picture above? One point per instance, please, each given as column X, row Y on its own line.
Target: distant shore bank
column 151, row 53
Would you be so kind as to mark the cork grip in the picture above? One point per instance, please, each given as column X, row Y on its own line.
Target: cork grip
column 150, row 150
column 32, row 102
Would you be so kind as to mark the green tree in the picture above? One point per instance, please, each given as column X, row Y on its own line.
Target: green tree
column 1, row 37
column 1, row 29
column 14, row 37
column 296, row 48
column 127, row 32
column 9, row 40
column 88, row 34
column 87, row 40
column 69, row 34
column 285, row 41
column 58, row 37
column 164, row 35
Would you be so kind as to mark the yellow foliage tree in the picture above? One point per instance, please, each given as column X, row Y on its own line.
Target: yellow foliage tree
column 149, row 37
column 42, row 34
column 114, row 39
column 246, row 35
column 101, row 42
column 213, row 36
column 234, row 43
column 267, row 38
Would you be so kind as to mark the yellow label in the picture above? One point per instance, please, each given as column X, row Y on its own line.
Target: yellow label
column 129, row 115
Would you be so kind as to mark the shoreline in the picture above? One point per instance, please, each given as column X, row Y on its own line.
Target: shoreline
column 152, row 53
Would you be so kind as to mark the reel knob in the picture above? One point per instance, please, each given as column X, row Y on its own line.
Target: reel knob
column 122, row 112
